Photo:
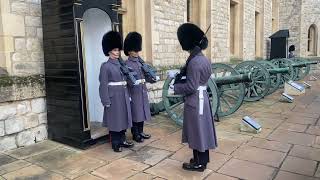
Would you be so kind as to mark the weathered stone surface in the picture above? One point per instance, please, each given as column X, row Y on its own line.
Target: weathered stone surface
column 216, row 176
column 7, row 110
column 14, row 25
column 31, row 120
column 35, row 10
column 33, row 44
column 88, row 177
column 20, row 44
column 149, row 155
column 37, row 56
column 23, row 107
column 7, row 143
column 2, row 128
column 299, row 166
column 33, row 21
column 25, row 138
column 21, row 56
column 6, row 168
column 31, row 31
column 246, row 170
column 5, row 159
column 305, row 152
column 20, row 8
column 14, row 125
column 38, row 105
column 39, row 33
column 267, row 144
column 314, row 130
column 26, row 68
column 283, row 175
column 292, row 137
column 34, row 172
column 119, row 169
column 42, row 118
column 293, row 127
column 40, row 132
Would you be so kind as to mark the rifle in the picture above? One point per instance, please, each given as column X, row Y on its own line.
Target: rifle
column 149, row 71
column 181, row 77
column 128, row 72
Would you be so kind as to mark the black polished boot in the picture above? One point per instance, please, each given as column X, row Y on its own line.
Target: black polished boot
column 116, row 147
column 127, row 144
column 194, row 167
column 145, row 136
column 138, row 138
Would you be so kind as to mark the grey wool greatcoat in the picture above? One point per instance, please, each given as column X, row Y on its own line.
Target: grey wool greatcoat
column 117, row 117
column 198, row 130
column 140, row 107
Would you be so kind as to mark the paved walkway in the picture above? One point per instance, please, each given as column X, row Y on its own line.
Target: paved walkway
column 288, row 148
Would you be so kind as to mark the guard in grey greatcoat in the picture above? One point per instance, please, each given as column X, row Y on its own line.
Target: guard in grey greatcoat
column 292, row 48
column 140, row 107
column 198, row 126
column 114, row 93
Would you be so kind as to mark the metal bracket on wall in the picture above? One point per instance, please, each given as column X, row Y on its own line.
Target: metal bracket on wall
column 117, row 8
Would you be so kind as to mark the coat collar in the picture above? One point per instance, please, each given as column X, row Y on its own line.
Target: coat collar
column 114, row 61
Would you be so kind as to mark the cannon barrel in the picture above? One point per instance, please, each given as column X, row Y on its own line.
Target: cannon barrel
column 304, row 64
column 279, row 70
column 232, row 79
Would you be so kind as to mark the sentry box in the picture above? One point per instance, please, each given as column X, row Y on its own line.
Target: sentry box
column 72, row 34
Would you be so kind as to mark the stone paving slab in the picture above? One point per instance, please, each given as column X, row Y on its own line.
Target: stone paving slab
column 268, row 144
column 292, row 137
column 299, row 166
column 314, row 130
column 105, row 152
column 247, row 170
column 172, row 169
column 142, row 176
column 5, row 159
column 260, row 156
column 120, row 169
column 149, row 155
column 293, row 127
column 216, row 176
column 305, row 152
column 13, row 166
column 33, row 172
column 25, row 152
column 227, row 146
column 169, row 143
column 283, row 175
column 88, row 177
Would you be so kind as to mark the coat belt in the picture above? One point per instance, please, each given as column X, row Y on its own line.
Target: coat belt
column 201, row 98
column 140, row 81
column 119, row 83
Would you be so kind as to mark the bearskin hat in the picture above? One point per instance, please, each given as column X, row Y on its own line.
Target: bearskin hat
column 133, row 42
column 190, row 35
column 292, row 48
column 111, row 40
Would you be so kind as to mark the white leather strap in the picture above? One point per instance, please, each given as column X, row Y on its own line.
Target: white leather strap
column 120, row 83
column 201, row 98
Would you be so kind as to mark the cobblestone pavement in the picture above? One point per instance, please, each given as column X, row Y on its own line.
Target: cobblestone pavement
column 288, row 148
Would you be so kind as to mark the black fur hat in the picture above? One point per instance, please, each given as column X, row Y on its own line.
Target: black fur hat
column 133, row 42
column 111, row 40
column 190, row 35
column 292, row 48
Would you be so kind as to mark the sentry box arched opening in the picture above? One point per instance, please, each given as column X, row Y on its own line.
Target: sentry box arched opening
column 72, row 34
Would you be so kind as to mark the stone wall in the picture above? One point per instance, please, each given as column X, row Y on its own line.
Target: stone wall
column 22, row 35
column 220, row 12
column 310, row 14
column 167, row 16
column 249, row 30
column 290, row 18
column 22, row 123
column 267, row 28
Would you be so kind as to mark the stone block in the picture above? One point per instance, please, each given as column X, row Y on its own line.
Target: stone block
column 23, row 107
column 14, row 125
column 13, row 25
column 31, row 31
column 7, row 143
column 7, row 110
column 20, row 44
column 33, row 21
column 5, row 6
column 21, row 56
column 31, row 121
column 40, row 132
column 25, row 138
column 35, row 9
column 37, row 56
column 43, row 118
column 21, row 8
column 39, row 33
column 34, row 1
column 26, row 68
column 1, row 128
column 38, row 105
column 6, row 44
column 33, row 44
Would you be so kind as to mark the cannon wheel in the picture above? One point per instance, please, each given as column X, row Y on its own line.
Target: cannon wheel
column 260, row 84
column 174, row 103
column 230, row 95
column 275, row 79
column 282, row 63
column 301, row 72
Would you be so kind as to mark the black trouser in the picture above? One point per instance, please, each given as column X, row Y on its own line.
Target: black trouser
column 117, row 137
column 201, row 157
column 137, row 128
